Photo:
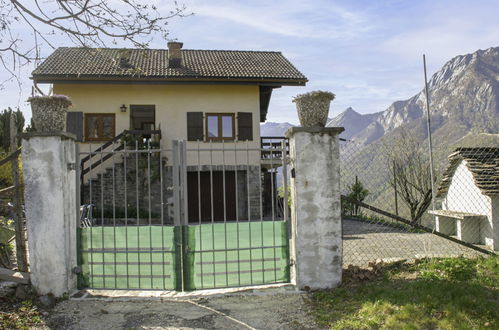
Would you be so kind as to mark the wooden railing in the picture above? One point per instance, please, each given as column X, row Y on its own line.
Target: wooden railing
column 102, row 154
column 272, row 146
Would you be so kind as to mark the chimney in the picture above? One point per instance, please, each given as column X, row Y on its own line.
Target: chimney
column 174, row 54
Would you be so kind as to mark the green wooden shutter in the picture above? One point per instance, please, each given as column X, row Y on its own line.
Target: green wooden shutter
column 74, row 124
column 245, row 126
column 194, row 126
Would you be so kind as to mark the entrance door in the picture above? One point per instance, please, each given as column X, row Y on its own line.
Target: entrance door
column 211, row 192
column 142, row 117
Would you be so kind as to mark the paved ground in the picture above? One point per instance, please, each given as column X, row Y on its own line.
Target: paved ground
column 364, row 242
column 254, row 311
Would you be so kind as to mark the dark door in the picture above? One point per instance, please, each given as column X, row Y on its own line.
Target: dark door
column 142, row 117
column 211, row 186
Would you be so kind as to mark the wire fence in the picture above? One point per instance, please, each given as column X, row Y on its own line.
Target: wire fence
column 390, row 214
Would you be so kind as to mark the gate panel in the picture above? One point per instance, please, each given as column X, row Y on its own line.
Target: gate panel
column 141, row 257
column 236, row 254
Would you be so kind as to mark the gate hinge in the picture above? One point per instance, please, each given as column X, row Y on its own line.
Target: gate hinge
column 71, row 167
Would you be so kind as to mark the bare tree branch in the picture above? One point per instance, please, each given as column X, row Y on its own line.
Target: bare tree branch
column 86, row 23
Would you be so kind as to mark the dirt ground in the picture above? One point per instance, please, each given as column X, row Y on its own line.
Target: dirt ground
column 243, row 311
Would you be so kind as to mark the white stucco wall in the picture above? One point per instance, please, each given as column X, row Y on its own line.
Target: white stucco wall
column 464, row 196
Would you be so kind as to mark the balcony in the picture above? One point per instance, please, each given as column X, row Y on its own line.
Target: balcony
column 272, row 150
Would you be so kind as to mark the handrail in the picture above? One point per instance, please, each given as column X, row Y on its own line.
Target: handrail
column 10, row 157
column 116, row 138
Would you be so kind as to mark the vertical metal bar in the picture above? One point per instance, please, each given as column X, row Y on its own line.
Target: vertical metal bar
column 184, row 183
column 91, row 254
column 249, row 210
column 285, row 178
column 149, row 204
column 114, row 214
column 102, row 221
column 237, row 217
column 272, row 192
column 261, row 219
column 179, row 254
column 162, row 215
column 212, row 213
column 224, row 192
column 125, row 156
column 79, row 260
column 137, row 204
column 200, row 214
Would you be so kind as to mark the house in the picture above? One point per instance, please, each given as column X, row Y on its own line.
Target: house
column 214, row 99
column 469, row 196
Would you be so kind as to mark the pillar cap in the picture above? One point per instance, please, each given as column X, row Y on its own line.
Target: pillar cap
column 61, row 134
column 314, row 130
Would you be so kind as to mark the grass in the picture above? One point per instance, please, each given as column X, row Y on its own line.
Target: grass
column 16, row 314
column 449, row 293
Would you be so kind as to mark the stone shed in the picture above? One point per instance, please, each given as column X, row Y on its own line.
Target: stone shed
column 469, row 196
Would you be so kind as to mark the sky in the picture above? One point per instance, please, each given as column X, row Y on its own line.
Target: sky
column 369, row 53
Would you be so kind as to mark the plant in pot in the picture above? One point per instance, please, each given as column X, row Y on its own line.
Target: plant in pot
column 49, row 112
column 313, row 108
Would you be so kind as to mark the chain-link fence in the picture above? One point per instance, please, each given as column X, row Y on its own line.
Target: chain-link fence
column 389, row 211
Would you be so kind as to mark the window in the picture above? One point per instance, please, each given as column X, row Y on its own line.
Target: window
column 99, row 126
column 220, row 126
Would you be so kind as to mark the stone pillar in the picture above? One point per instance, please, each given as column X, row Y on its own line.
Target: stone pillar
column 316, row 244
column 51, row 210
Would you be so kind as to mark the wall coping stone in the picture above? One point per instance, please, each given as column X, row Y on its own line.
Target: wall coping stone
column 316, row 130
column 63, row 135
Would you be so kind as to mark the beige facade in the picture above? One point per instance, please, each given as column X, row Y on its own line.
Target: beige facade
column 172, row 102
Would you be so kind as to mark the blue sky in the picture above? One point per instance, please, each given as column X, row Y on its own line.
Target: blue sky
column 369, row 53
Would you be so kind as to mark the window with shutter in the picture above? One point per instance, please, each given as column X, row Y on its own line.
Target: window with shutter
column 195, row 126
column 245, row 126
column 99, row 126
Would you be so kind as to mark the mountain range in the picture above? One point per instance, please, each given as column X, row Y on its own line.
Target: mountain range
column 464, row 99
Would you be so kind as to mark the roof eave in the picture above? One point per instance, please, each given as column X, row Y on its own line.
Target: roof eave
column 52, row 79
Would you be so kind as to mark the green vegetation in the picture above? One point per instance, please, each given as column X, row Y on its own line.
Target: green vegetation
column 19, row 315
column 358, row 193
column 444, row 293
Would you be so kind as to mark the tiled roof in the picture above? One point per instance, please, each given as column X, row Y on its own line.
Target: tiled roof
column 152, row 64
column 483, row 163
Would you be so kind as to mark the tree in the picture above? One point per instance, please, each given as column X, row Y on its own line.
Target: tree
column 5, row 126
column 358, row 193
column 86, row 23
column 410, row 174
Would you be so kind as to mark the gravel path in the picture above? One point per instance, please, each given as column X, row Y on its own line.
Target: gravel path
column 262, row 311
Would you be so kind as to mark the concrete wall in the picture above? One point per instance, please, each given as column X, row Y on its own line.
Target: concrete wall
column 316, row 243
column 172, row 103
column 464, row 196
column 51, row 212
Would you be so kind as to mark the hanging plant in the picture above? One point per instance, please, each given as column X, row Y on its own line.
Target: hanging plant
column 313, row 108
column 49, row 112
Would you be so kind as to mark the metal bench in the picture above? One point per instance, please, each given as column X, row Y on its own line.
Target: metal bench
column 466, row 226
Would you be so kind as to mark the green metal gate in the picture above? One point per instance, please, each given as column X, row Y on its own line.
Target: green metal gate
column 143, row 249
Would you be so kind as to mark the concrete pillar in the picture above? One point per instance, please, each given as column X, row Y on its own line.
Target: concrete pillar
column 316, row 244
column 51, row 210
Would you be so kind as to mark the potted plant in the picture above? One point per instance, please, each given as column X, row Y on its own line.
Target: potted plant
column 49, row 112
column 313, row 108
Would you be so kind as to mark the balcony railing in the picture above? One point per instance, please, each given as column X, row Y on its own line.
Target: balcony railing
column 272, row 147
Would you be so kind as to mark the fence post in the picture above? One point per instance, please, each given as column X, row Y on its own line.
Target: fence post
column 50, row 190
column 316, row 244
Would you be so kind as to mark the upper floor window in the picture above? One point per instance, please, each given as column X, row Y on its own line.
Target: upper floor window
column 220, row 126
column 99, row 126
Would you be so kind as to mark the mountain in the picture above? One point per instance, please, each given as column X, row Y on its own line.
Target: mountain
column 464, row 96
column 352, row 121
column 274, row 129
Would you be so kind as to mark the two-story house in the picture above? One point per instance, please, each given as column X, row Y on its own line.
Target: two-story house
column 214, row 99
